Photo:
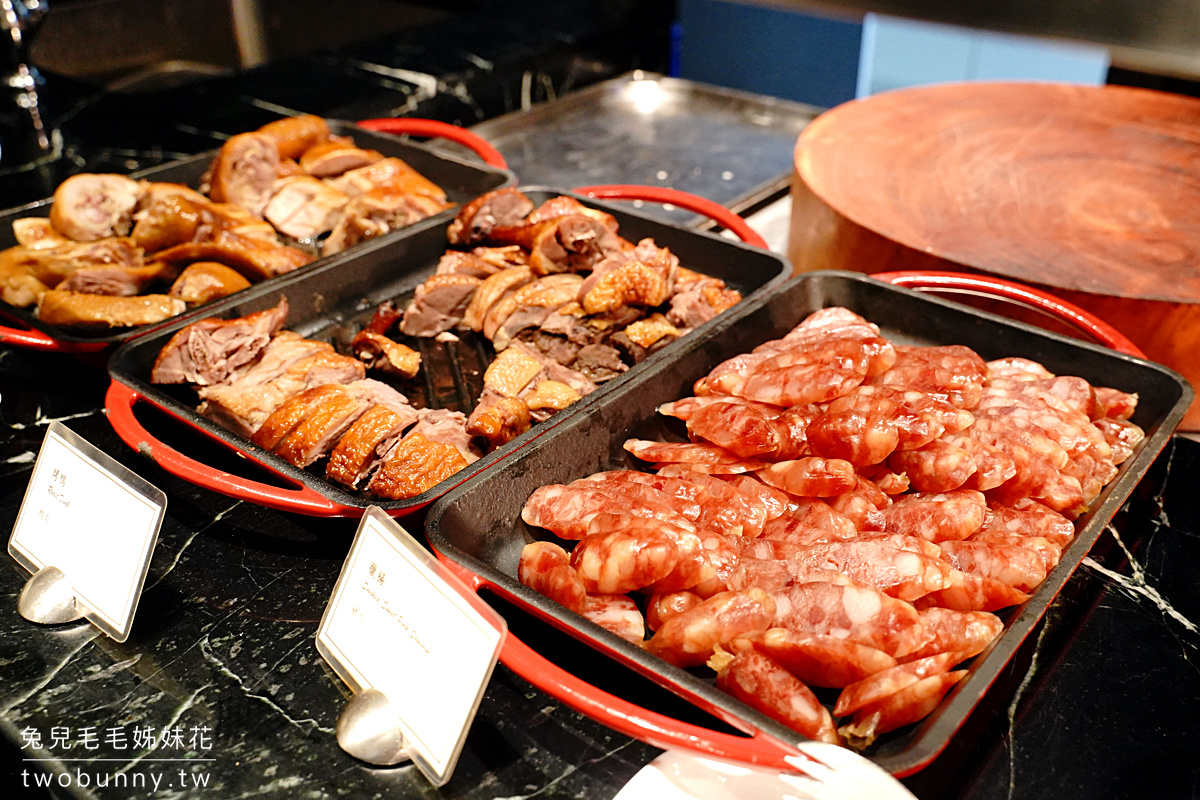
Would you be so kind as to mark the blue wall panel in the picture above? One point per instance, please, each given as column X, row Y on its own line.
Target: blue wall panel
column 797, row 56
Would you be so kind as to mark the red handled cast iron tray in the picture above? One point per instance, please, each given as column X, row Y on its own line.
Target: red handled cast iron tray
column 477, row 526
column 462, row 180
column 335, row 299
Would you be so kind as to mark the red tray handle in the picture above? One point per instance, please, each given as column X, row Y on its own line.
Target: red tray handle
column 32, row 339
column 632, row 720
column 118, row 404
column 435, row 129
column 1095, row 327
column 663, row 194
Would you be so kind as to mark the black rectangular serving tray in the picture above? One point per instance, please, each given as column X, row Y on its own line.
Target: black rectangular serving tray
column 462, row 179
column 478, row 526
column 333, row 300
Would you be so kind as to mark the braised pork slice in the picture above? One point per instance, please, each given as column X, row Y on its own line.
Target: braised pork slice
column 334, row 157
column 204, row 281
column 389, row 173
column 78, row 310
column 37, row 233
column 244, row 171
column 213, row 351
column 169, row 216
column 293, row 136
column 255, row 258
column 90, row 207
column 117, row 280
column 55, row 264
column 503, row 208
column 438, row 304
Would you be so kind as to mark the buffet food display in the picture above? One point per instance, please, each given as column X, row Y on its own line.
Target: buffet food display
column 847, row 514
column 116, row 252
column 110, row 255
column 422, row 355
column 835, row 513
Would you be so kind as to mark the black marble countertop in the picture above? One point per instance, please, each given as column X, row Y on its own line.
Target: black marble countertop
column 1101, row 702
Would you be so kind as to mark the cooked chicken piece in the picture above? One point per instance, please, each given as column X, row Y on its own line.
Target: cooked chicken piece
column 204, row 281
column 379, row 352
column 533, row 302
column 551, row 396
column 89, row 207
column 438, row 304
column 511, row 371
column 292, row 411
column 498, row 419
column 37, row 233
column 78, row 310
column 167, row 219
column 491, row 290
column 442, row 426
column 503, row 208
column 574, row 243
column 502, row 257
column 697, row 301
column 320, row 429
column 214, row 351
column 303, row 207
column 553, row 370
column 563, row 206
column 243, row 406
column 244, row 171
column 643, row 337
column 333, row 157
column 361, row 448
column 651, row 330
column 631, row 283
column 222, row 218
column 456, row 262
column 388, row 173
column 378, row 211
column 292, row 136
column 415, row 466
column 254, row 258
column 116, row 280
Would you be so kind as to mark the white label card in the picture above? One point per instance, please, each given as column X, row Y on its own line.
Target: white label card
column 95, row 520
column 401, row 623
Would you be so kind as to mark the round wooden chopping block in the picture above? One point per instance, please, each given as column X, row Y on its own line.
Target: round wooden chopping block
column 1092, row 193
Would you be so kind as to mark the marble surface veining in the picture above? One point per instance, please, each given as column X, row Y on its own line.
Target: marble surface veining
column 222, row 651
column 1102, row 700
